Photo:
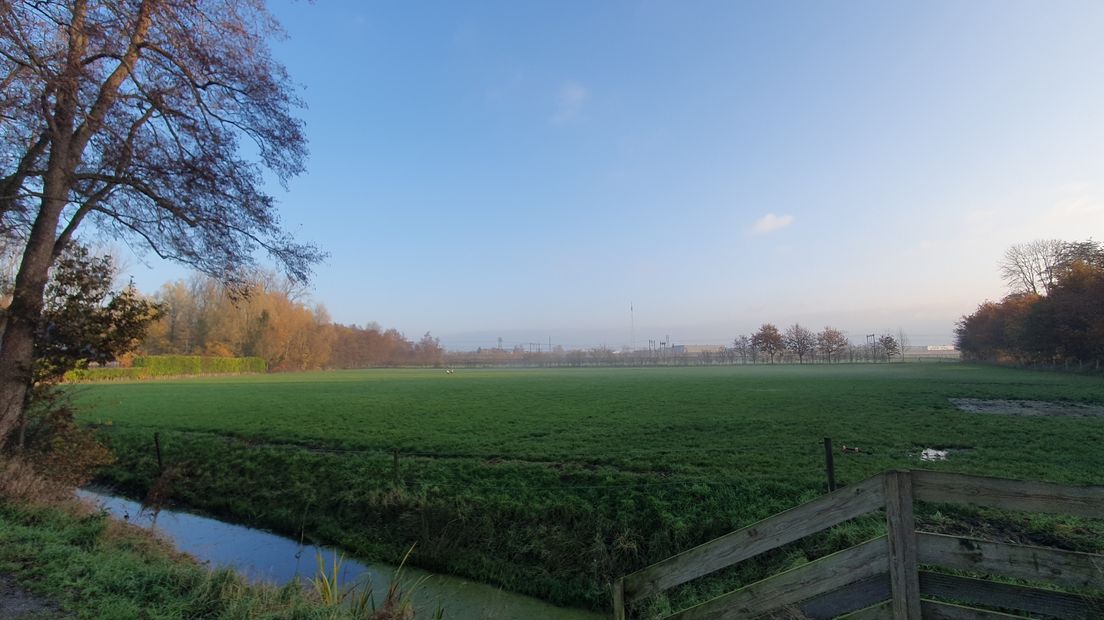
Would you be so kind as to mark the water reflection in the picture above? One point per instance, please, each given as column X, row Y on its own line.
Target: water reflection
column 264, row 556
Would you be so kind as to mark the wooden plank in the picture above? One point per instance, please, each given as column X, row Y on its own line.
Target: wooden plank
column 851, row 597
column 1039, row 601
column 797, row 584
column 901, row 529
column 617, row 592
column 943, row 487
column 935, row 610
column 881, row 611
column 785, row 527
column 1053, row 566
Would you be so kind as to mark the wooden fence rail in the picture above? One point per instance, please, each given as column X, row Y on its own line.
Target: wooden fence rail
column 881, row 578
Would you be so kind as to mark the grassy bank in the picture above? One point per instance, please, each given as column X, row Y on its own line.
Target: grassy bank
column 550, row 482
column 89, row 566
column 61, row 557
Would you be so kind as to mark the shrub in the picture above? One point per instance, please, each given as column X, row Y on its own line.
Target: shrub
column 105, row 374
column 149, row 366
column 163, row 365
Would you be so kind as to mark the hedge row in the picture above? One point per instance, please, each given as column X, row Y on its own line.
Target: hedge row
column 105, row 374
column 161, row 365
column 169, row 366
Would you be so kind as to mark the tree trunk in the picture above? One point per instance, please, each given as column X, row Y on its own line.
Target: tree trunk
column 17, row 344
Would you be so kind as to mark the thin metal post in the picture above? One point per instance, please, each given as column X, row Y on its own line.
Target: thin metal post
column 157, row 448
column 395, row 468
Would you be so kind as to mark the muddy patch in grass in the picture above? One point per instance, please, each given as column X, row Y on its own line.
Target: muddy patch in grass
column 1028, row 408
column 16, row 602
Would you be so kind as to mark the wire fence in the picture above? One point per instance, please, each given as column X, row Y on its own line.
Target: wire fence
column 612, row 466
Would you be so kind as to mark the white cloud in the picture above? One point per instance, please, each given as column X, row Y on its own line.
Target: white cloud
column 570, row 101
column 771, row 222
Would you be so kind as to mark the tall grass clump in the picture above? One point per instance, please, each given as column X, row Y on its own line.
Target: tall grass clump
column 359, row 600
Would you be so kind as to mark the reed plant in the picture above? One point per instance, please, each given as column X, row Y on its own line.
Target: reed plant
column 358, row 600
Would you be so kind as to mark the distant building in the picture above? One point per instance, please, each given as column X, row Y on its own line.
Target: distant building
column 941, row 347
column 692, row 349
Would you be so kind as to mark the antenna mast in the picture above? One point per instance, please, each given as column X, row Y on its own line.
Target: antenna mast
column 632, row 328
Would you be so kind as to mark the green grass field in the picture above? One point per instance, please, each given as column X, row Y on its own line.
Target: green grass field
column 549, row 482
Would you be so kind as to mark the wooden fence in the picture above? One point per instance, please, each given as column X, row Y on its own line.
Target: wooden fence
column 881, row 578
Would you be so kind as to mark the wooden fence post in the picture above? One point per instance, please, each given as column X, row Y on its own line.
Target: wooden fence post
column 904, row 574
column 829, row 464
column 618, row 594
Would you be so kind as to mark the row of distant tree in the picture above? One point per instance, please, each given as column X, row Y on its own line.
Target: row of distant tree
column 1054, row 313
column 796, row 344
column 799, row 343
column 201, row 317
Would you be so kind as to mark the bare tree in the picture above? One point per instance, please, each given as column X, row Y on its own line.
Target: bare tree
column 768, row 340
column 1030, row 267
column 130, row 115
column 800, row 341
column 902, row 342
column 832, row 342
column 1036, row 266
column 742, row 346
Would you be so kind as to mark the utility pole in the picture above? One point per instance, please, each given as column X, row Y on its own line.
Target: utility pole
column 632, row 328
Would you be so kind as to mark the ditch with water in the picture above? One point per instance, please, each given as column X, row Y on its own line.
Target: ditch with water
column 262, row 556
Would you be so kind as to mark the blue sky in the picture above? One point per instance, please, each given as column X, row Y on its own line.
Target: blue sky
column 526, row 169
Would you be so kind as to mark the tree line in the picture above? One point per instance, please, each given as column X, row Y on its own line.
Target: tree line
column 1054, row 312
column 86, row 320
column 798, row 343
column 768, row 345
column 267, row 318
